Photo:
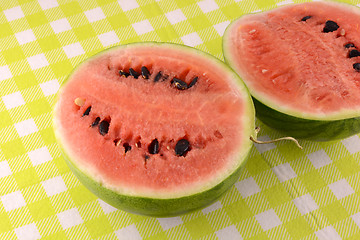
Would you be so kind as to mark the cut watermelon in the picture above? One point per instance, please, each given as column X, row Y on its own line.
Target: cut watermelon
column 301, row 64
column 156, row 129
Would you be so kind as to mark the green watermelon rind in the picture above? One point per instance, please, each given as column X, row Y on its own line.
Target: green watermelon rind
column 164, row 206
column 316, row 127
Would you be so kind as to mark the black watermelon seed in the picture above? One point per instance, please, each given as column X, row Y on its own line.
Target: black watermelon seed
column 146, row 157
column 127, row 147
column 158, row 76
column 154, row 147
column 145, row 72
column 181, row 147
column 330, row 26
column 104, row 127
column 193, row 82
column 179, row 84
column 356, row 66
column 122, row 73
column 96, row 122
column 87, row 111
column 133, row 73
column 306, row 18
column 354, row 53
column 349, row 45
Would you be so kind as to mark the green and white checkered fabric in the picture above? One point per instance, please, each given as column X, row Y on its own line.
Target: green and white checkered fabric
column 283, row 192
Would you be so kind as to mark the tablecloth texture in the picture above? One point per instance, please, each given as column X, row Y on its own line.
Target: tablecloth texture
column 283, row 192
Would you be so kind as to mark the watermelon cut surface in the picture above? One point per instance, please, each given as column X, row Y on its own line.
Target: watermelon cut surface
column 301, row 64
column 155, row 129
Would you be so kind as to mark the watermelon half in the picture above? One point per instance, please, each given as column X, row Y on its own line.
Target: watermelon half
column 155, row 129
column 301, row 63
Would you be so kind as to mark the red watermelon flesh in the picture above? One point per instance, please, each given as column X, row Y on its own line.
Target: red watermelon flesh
column 212, row 115
column 288, row 58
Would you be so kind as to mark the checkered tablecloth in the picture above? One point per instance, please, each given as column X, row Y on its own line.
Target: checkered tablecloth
column 283, row 192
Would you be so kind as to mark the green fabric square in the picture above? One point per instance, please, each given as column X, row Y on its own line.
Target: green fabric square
column 5, row 224
column 198, row 227
column 84, row 32
column 25, row 80
column 238, row 211
column 26, row 177
column 81, row 195
column 47, row 135
column 119, row 20
column 41, row 209
column 38, row 107
column 62, row 68
column 13, row 54
column 12, row 148
column 71, row 8
column 98, row 227
column 57, row 235
column 347, row 166
column 184, row 3
column 312, row 180
column 276, row 195
column 298, row 228
column 166, row 33
column 49, row 43
column 199, row 22
column 5, row 30
column 151, row 10
column 36, row 19
column 334, row 212
column 5, row 119
column 257, row 164
column 232, row 11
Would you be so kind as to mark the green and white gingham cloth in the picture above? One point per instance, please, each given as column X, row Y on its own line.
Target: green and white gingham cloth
column 283, row 192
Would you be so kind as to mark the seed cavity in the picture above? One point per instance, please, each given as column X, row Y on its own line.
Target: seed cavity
column 193, row 82
column 104, row 127
column 95, row 122
column 354, row 53
column 306, row 18
column 122, row 73
column 87, row 111
column 146, row 157
column 79, row 102
column 330, row 26
column 349, row 45
column 117, row 142
column 127, row 147
column 356, row 66
column 154, row 147
column 182, row 147
column 133, row 73
column 145, row 72
column 158, row 76
column 179, row 84
column 218, row 134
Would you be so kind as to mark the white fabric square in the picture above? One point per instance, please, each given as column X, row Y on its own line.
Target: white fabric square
column 54, row 186
column 175, row 16
column 328, row 233
column 13, row 13
column 352, row 144
column 37, row 61
column 341, row 189
column 13, row 100
column 284, row 172
column 268, row 219
column 319, row 159
column 229, row 232
column 69, row 218
column 27, row 232
column 356, row 218
column 284, row 2
column 108, row 38
column 264, row 147
column 39, row 156
column 50, row 87
column 47, row 4
column 106, row 207
column 4, row 169
column 129, row 232
column 192, row 39
column 127, row 5
column 5, row 73
column 142, row 27
column 26, row 127
column 73, row 50
column 216, row 205
column 247, row 187
column 95, row 14
column 208, row 5
column 305, row 204
column 220, row 27
column 13, row 201
column 60, row 25
column 167, row 223
column 25, row 36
